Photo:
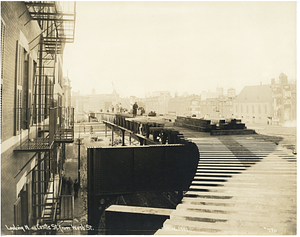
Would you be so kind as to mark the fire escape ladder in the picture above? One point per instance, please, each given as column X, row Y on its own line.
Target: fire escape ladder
column 42, row 180
column 52, row 200
column 46, row 189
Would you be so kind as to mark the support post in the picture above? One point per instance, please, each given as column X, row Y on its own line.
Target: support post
column 79, row 161
column 79, row 142
column 112, row 135
column 141, row 141
column 123, row 137
column 39, row 189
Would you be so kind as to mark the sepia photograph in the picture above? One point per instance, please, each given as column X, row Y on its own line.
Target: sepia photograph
column 148, row 117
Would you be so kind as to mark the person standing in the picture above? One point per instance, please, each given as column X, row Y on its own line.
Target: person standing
column 135, row 107
column 70, row 186
column 76, row 188
column 64, row 181
column 117, row 107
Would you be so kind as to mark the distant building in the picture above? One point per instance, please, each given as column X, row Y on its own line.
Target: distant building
column 231, row 93
column 94, row 102
column 158, row 102
column 220, row 91
column 284, row 98
column 268, row 104
column 208, row 94
column 216, row 108
column 67, row 92
column 185, row 105
column 254, row 104
column 194, row 107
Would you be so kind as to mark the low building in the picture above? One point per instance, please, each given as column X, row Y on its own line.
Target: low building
column 254, row 104
column 216, row 108
column 185, row 105
column 158, row 102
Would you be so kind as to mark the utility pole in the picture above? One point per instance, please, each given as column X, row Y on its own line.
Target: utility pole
column 79, row 142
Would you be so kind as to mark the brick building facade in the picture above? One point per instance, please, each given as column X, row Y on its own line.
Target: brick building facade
column 31, row 111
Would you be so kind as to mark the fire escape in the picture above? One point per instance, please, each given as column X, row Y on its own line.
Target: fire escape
column 49, row 124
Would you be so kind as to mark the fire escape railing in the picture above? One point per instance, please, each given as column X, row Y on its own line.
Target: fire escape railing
column 65, row 129
column 53, row 125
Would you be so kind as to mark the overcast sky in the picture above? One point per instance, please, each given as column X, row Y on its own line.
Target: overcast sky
column 180, row 46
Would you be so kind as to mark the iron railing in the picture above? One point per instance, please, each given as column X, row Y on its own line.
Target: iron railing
column 39, row 128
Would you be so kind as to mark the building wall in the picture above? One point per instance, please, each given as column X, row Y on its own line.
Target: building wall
column 284, row 100
column 11, row 164
column 19, row 29
column 231, row 93
column 158, row 102
column 152, row 104
column 253, row 112
column 209, row 108
column 273, row 103
column 12, row 10
column 180, row 105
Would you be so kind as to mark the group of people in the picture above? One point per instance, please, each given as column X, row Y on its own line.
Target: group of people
column 69, row 187
column 117, row 108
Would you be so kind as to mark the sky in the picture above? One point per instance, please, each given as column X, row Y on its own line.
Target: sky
column 142, row 47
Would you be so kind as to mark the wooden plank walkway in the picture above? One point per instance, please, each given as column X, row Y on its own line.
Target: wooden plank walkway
column 243, row 186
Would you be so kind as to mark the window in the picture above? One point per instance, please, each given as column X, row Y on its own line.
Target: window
column 21, row 90
column 247, row 108
column 259, row 109
column 241, row 108
column 18, row 87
